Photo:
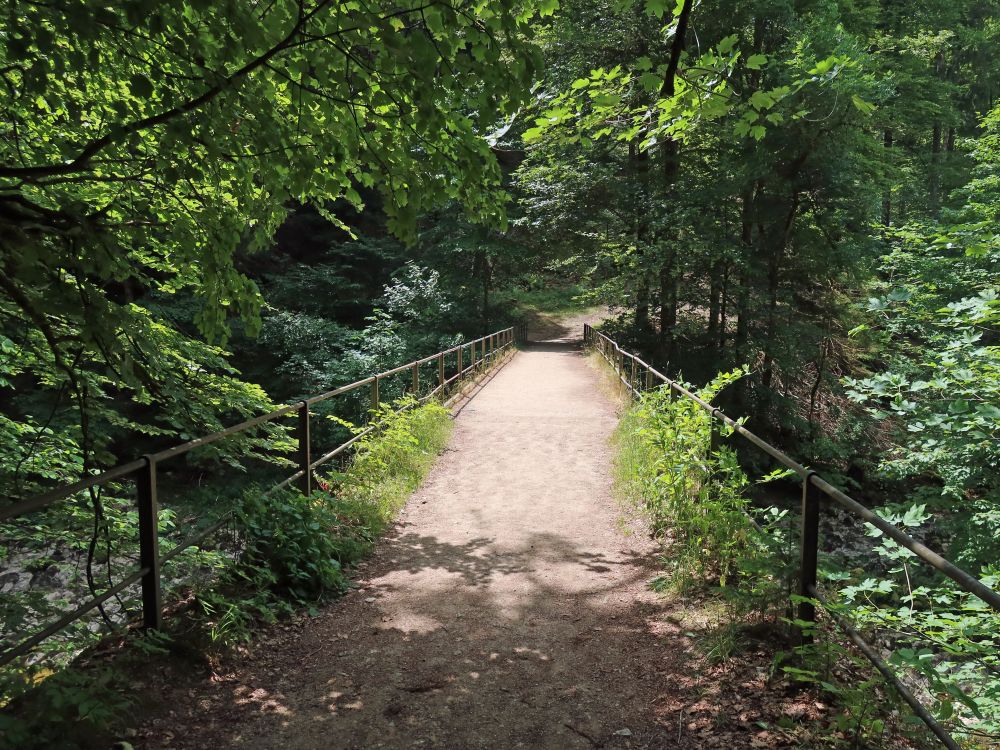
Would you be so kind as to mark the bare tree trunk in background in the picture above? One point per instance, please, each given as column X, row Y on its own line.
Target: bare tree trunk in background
column 934, row 187
column 668, row 307
column 484, row 270
column 741, row 344
column 779, row 247
column 671, row 168
column 714, row 301
column 723, row 322
column 640, row 161
column 887, row 196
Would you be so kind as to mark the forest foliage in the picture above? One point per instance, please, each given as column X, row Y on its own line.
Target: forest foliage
column 209, row 208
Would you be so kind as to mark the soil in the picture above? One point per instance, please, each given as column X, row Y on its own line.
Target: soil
column 509, row 608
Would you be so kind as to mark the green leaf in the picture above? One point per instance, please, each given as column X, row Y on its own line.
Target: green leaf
column 865, row 108
column 650, row 82
column 656, row 8
column 726, row 45
column 141, row 87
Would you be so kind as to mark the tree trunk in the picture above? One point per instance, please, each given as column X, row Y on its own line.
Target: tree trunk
column 671, row 167
column 640, row 164
column 934, row 178
column 723, row 295
column 741, row 343
column 773, row 285
column 714, row 301
column 668, row 308
column 887, row 195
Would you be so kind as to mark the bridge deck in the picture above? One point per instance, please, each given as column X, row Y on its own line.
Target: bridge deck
column 508, row 608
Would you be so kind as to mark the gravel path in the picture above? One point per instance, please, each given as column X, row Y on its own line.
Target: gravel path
column 509, row 607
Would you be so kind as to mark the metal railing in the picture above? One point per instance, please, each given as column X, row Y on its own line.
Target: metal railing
column 638, row 375
column 470, row 358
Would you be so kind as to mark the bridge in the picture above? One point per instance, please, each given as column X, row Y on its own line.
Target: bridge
column 509, row 606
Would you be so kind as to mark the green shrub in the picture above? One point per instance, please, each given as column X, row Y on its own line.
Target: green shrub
column 294, row 538
column 295, row 548
column 69, row 709
column 695, row 498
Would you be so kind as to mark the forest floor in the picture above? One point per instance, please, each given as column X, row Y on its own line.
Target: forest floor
column 510, row 607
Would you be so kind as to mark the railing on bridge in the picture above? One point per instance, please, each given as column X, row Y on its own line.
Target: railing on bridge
column 470, row 358
column 638, row 376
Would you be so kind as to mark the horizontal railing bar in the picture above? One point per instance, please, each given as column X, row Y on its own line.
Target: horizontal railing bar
column 961, row 577
column 26, row 645
column 47, row 498
column 286, row 481
column 236, row 428
column 59, row 493
column 341, row 390
column 879, row 663
column 340, row 448
column 196, row 537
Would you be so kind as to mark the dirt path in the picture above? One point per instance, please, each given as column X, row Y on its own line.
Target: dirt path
column 509, row 608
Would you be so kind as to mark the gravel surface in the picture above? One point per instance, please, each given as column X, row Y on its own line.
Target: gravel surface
column 509, row 608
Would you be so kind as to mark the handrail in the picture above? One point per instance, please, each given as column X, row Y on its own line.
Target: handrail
column 484, row 353
column 812, row 485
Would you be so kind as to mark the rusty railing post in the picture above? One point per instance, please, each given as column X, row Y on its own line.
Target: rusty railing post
column 149, row 546
column 649, row 378
column 375, row 396
column 631, row 379
column 305, row 450
column 416, row 378
column 809, row 552
column 441, row 372
column 460, row 361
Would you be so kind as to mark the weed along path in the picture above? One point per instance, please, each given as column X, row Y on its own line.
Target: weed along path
column 509, row 608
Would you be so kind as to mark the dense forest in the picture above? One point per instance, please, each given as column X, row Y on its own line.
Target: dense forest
column 208, row 209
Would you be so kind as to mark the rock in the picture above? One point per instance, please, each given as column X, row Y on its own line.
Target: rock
column 624, row 732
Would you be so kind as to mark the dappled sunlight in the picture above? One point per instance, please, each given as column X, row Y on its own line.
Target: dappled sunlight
column 507, row 608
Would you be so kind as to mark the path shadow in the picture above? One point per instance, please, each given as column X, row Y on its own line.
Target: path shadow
column 546, row 645
column 562, row 347
column 504, row 655
column 478, row 561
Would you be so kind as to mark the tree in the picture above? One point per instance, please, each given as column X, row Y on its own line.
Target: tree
column 147, row 146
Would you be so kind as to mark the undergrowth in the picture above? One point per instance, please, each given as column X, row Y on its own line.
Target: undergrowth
column 292, row 552
column 295, row 549
column 716, row 541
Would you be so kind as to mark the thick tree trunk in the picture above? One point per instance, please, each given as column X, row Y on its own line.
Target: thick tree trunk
column 741, row 342
column 483, row 270
column 671, row 168
column 642, row 306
